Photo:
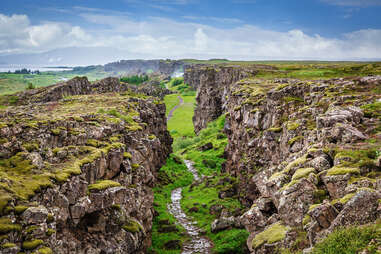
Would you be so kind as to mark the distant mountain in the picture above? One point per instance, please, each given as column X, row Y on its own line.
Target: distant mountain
column 72, row 56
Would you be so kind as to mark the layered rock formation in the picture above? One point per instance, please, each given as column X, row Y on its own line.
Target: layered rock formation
column 306, row 154
column 136, row 67
column 77, row 170
column 212, row 85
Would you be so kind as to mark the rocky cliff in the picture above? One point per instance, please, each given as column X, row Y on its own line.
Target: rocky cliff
column 134, row 67
column 77, row 170
column 306, row 154
column 212, row 85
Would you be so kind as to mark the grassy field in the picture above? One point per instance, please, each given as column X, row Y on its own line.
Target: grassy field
column 181, row 125
column 302, row 69
column 12, row 83
column 170, row 101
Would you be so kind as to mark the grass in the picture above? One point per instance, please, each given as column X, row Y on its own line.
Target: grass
column 171, row 176
column 170, row 101
column 350, row 240
column 12, row 83
column 204, row 196
column 181, row 123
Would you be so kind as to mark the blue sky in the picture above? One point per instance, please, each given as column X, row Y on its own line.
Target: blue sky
column 237, row 29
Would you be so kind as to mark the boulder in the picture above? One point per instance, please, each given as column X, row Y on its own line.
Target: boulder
column 35, row 215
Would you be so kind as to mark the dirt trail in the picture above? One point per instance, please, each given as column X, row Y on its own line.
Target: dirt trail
column 198, row 243
column 181, row 101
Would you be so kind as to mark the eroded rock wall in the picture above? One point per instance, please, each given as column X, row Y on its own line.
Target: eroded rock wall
column 306, row 154
column 310, row 149
column 77, row 173
column 212, row 85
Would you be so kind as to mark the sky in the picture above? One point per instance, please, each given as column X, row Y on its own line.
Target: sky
column 176, row 29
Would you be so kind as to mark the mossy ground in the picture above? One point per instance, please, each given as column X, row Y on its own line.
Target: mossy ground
column 171, row 176
column 350, row 240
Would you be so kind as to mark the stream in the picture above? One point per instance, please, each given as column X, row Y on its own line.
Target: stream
column 198, row 243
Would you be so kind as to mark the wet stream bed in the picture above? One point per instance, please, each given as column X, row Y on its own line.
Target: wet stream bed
column 198, row 243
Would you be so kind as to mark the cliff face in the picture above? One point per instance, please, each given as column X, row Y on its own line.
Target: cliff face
column 76, row 173
column 306, row 154
column 212, row 85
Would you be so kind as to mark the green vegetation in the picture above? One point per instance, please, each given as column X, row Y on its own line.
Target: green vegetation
column 272, row 234
column 171, row 100
column 12, row 83
column 135, row 79
column 177, row 85
column 102, row 185
column 206, row 194
column 32, row 244
column 132, row 226
column 351, row 240
column 181, row 124
column 171, row 176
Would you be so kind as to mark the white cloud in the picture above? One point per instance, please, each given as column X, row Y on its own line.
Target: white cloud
column 166, row 38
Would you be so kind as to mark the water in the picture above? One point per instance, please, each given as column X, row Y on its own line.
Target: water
column 14, row 67
column 198, row 243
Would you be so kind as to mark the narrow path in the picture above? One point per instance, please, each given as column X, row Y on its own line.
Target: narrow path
column 197, row 244
column 181, row 101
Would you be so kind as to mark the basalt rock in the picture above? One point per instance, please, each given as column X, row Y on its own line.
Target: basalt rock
column 305, row 153
column 78, row 168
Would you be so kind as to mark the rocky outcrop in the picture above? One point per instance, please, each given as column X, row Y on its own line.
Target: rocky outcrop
column 212, row 84
column 77, row 171
column 305, row 153
column 137, row 67
column 300, row 143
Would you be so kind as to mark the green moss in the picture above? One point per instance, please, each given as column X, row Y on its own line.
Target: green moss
column 7, row 226
column 102, row 185
column 291, row 126
column 44, row 250
column 152, row 137
column 372, row 110
column 342, row 171
column 313, row 206
column 352, row 239
column 50, row 218
column 135, row 166
column 31, row 245
column 8, row 245
column 306, row 220
column 293, row 99
column 4, row 199
column 275, row 129
column 20, row 209
column 302, row 172
column 276, row 232
column 346, row 198
column 281, row 86
column 57, row 131
column 132, row 226
column 50, row 232
column 293, row 140
column 3, row 140
column 30, row 229
column 296, row 163
column 114, row 139
column 127, row 155
column 93, row 142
